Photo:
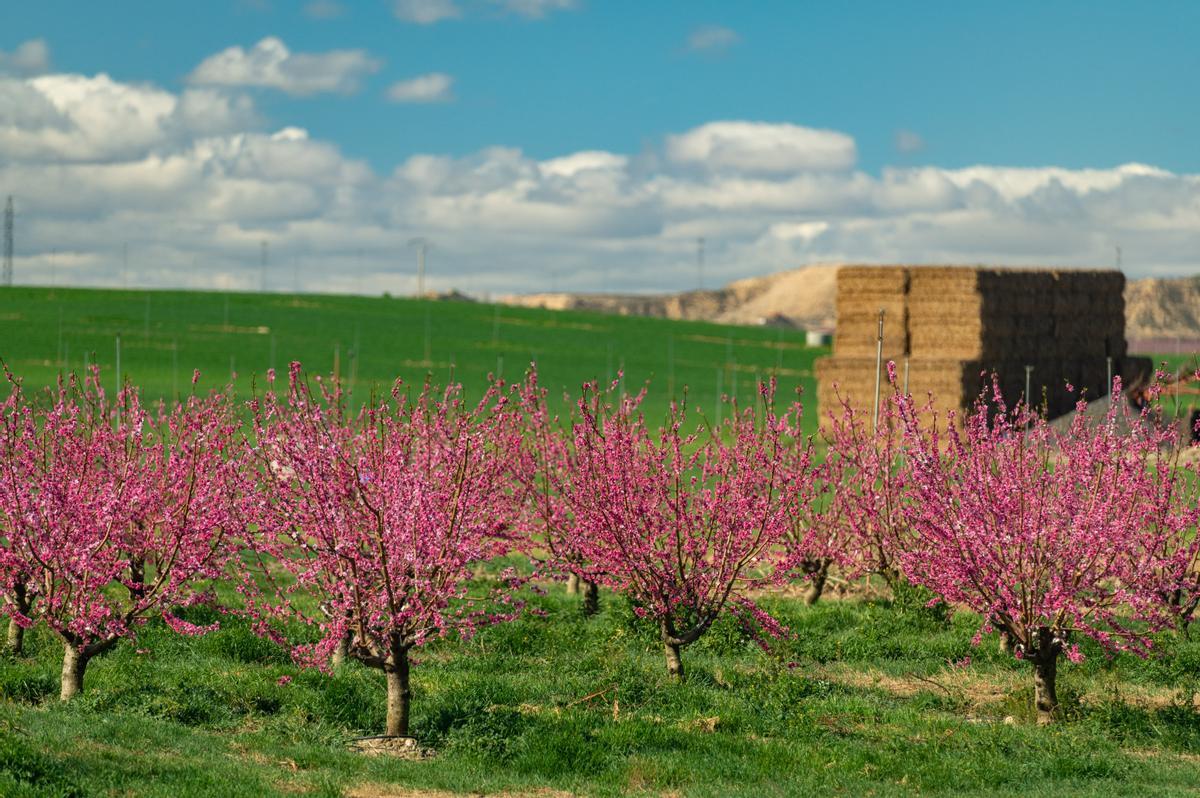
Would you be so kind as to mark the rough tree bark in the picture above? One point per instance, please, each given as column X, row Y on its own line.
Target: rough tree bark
column 73, row 667
column 75, row 661
column 399, row 693
column 137, row 579
column 1045, row 672
column 674, row 661
column 818, row 570
column 15, row 642
column 341, row 651
column 591, row 596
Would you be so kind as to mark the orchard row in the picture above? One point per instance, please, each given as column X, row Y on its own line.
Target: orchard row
column 360, row 535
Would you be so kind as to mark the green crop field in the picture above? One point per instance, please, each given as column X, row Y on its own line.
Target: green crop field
column 372, row 340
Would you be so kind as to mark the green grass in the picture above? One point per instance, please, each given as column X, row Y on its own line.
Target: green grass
column 863, row 699
column 167, row 334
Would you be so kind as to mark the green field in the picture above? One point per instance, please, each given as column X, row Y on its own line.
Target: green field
column 372, row 340
column 867, row 698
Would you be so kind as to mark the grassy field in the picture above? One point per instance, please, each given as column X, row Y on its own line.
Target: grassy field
column 866, row 698
column 372, row 340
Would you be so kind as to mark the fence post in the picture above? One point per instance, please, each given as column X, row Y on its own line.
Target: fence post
column 878, row 368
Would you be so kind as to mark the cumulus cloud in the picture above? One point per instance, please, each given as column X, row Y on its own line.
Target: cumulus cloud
column 425, row 12
column 759, row 147
column 535, row 9
column 712, row 39
column 194, row 182
column 436, row 87
column 29, row 58
column 908, row 142
column 271, row 65
column 323, row 9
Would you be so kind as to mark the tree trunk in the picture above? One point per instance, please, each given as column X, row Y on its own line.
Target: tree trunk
column 341, row 651
column 819, row 571
column 572, row 584
column 137, row 579
column 16, row 633
column 1005, row 646
column 1045, row 671
column 674, row 663
column 591, row 596
column 399, row 694
column 75, row 662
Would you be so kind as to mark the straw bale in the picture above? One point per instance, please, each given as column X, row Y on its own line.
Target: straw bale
column 859, row 338
column 855, row 308
column 862, row 280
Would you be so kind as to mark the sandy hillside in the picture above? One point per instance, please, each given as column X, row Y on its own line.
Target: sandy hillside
column 804, row 297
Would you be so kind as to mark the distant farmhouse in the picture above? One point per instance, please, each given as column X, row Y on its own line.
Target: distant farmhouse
column 948, row 327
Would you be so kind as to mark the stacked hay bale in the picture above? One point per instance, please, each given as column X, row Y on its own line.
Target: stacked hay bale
column 956, row 325
column 862, row 291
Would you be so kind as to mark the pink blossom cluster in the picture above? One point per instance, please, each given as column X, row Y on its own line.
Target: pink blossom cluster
column 1079, row 530
column 683, row 519
column 362, row 534
column 113, row 513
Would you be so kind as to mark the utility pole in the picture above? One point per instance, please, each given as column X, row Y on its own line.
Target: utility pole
column 262, row 281
column 8, row 241
column 422, row 246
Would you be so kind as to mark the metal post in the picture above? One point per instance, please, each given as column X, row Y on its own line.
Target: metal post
column 670, row 366
column 1028, row 374
column 906, row 375
column 1110, row 382
column 118, row 395
column 720, row 389
column 878, row 369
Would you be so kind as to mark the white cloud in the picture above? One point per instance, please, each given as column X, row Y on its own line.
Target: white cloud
column 29, row 58
column 535, row 9
column 908, row 142
column 712, row 39
column 425, row 12
column 269, row 64
column 428, row 12
column 436, row 87
column 323, row 9
column 193, row 183
column 763, row 148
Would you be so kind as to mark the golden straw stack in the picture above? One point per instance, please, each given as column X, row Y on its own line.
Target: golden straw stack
column 956, row 325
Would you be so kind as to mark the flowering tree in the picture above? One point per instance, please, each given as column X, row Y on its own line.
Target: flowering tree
column 113, row 514
column 853, row 519
column 381, row 517
column 543, row 469
column 683, row 522
column 1047, row 535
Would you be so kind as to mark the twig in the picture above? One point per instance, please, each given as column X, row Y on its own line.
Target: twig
column 590, row 696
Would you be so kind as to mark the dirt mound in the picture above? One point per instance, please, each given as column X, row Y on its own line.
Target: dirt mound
column 1156, row 309
column 800, row 297
column 1162, row 308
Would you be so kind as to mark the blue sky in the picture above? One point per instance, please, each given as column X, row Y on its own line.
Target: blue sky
column 927, row 91
column 1017, row 83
